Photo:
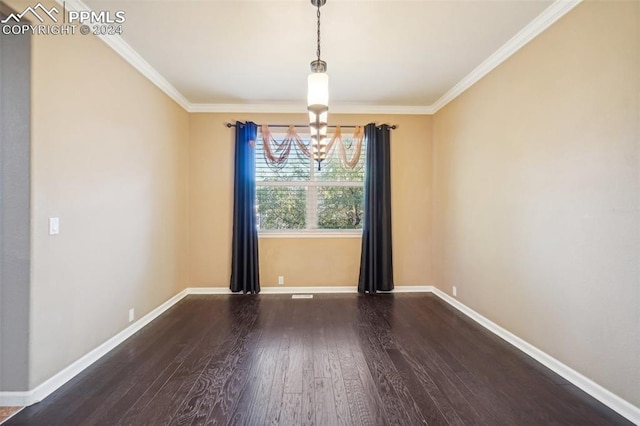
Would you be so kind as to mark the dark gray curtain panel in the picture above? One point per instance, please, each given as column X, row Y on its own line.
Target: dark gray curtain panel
column 376, row 262
column 245, row 275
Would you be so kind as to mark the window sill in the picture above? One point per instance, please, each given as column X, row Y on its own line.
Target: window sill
column 310, row 234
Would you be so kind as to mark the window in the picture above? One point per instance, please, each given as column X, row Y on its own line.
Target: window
column 294, row 195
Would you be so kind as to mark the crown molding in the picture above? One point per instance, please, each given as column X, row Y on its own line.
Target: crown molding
column 129, row 54
column 301, row 108
column 380, row 109
column 543, row 21
column 278, row 108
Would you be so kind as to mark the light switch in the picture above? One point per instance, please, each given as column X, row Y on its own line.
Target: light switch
column 54, row 226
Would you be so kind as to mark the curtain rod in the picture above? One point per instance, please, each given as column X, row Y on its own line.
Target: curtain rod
column 229, row 125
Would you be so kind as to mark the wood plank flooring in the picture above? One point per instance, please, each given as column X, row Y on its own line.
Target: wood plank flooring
column 403, row 359
column 6, row 412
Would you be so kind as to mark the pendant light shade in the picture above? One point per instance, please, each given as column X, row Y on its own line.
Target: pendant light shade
column 318, row 93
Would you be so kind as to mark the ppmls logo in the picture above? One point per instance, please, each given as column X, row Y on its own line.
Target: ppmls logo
column 33, row 11
column 69, row 22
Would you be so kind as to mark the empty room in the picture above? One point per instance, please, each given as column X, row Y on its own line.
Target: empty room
column 320, row 212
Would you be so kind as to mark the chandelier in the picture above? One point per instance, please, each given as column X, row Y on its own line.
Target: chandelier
column 318, row 98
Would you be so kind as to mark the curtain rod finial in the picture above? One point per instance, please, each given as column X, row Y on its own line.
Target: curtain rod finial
column 390, row 126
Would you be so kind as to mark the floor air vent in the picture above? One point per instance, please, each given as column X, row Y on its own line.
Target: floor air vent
column 302, row 296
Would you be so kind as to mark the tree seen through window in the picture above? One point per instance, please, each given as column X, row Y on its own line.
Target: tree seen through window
column 294, row 195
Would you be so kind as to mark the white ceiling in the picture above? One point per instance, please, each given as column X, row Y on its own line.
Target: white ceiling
column 379, row 52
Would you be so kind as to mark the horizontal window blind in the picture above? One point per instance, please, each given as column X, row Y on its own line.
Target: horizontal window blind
column 295, row 195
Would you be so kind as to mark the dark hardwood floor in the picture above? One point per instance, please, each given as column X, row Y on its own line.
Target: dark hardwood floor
column 403, row 359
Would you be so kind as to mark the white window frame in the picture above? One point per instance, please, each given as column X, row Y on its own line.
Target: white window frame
column 312, row 230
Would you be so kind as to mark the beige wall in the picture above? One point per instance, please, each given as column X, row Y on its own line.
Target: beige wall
column 537, row 205
column 527, row 188
column 306, row 262
column 109, row 158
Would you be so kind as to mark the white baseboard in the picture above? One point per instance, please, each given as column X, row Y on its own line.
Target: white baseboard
column 608, row 398
column 413, row 289
column 18, row 399
column 208, row 290
column 603, row 395
column 275, row 290
column 307, row 290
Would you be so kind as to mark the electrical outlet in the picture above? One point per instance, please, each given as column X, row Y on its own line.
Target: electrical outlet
column 132, row 314
column 455, row 291
column 280, row 280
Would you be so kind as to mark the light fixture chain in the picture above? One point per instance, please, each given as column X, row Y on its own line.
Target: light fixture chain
column 318, row 50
